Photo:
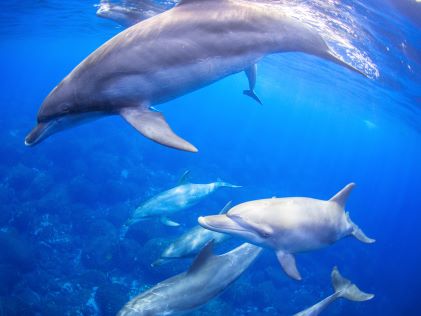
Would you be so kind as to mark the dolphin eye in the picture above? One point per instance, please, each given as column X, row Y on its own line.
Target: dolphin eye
column 65, row 108
column 265, row 235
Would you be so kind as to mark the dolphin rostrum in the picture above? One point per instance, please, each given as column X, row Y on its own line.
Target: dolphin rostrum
column 174, row 200
column 208, row 276
column 289, row 225
column 191, row 242
column 188, row 47
column 343, row 288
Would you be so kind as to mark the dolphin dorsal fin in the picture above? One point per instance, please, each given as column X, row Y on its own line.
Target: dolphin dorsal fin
column 202, row 257
column 226, row 208
column 184, row 178
column 342, row 196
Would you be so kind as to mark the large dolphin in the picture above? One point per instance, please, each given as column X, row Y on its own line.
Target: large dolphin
column 343, row 289
column 164, row 57
column 191, row 242
column 289, row 225
column 208, row 276
column 181, row 197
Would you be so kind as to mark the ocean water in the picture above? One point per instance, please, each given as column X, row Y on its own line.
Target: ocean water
column 320, row 127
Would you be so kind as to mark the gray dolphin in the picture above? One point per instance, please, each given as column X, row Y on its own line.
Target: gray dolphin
column 188, row 47
column 129, row 13
column 208, row 276
column 343, row 289
column 181, row 197
column 289, row 225
column 191, row 242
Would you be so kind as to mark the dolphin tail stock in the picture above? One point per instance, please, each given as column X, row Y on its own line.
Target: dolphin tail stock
column 358, row 233
column 226, row 184
column 346, row 289
column 330, row 56
column 153, row 125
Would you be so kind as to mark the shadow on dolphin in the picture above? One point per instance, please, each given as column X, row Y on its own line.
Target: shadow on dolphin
column 188, row 47
column 289, row 225
column 343, row 289
column 208, row 276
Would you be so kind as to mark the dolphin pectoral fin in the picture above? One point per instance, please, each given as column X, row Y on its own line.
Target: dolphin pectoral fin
column 226, row 208
column 251, row 73
column 159, row 262
column 287, row 262
column 154, row 126
column 166, row 221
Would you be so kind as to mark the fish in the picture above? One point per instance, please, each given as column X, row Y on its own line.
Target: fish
column 181, row 50
column 208, row 276
column 191, row 242
column 289, row 225
column 343, row 289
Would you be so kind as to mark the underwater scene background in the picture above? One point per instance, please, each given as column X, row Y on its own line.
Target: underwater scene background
column 62, row 203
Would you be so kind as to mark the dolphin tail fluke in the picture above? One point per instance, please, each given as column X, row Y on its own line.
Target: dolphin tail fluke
column 153, row 125
column 252, row 95
column 123, row 231
column 330, row 56
column 346, row 289
column 358, row 233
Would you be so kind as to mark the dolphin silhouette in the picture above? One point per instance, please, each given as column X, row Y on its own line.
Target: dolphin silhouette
column 289, row 225
column 188, row 47
column 207, row 277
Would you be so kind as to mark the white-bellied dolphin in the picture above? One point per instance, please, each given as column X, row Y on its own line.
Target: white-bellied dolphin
column 289, row 225
column 208, row 277
column 181, row 197
column 343, row 289
column 191, row 242
column 188, row 47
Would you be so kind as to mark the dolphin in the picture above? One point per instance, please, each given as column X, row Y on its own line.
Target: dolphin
column 191, row 242
column 343, row 288
column 208, row 276
column 188, row 47
column 181, row 197
column 289, row 225
column 128, row 14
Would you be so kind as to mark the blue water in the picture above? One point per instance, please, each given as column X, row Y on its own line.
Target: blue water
column 62, row 203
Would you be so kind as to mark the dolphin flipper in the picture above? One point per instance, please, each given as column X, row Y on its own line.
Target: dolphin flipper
column 166, row 221
column 251, row 74
column 287, row 262
column 153, row 125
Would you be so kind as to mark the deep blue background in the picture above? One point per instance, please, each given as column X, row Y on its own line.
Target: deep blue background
column 62, row 202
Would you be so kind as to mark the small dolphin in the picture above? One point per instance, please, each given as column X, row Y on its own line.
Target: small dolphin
column 128, row 14
column 191, row 242
column 188, row 47
column 208, row 276
column 343, row 288
column 289, row 225
column 174, row 200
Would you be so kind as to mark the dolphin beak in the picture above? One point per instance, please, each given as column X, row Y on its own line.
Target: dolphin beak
column 37, row 134
column 220, row 223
